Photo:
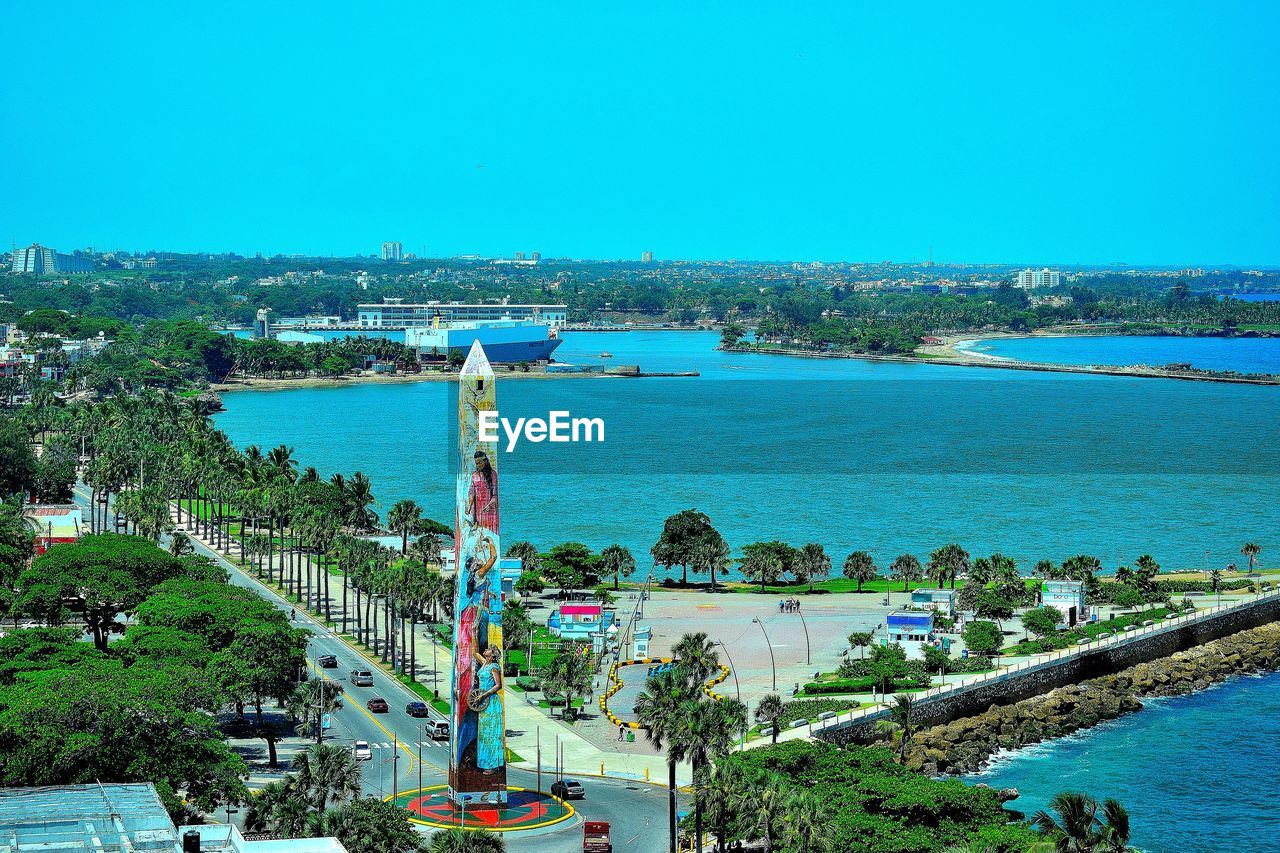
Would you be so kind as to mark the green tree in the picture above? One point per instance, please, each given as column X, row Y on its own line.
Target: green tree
column 616, row 560
column 98, row 577
column 983, row 638
column 1042, row 621
column 769, row 712
column 370, row 825
column 905, row 568
column 731, row 335
column 860, row 640
column 1251, row 550
column 812, row 563
column 571, row 565
column 860, row 568
column 663, row 711
column 684, row 536
column 404, row 518
column 948, row 563
column 466, row 841
column 326, row 775
column 1076, row 825
column 567, row 675
column 901, row 713
column 992, row 605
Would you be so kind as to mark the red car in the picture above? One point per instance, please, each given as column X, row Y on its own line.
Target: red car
column 378, row 706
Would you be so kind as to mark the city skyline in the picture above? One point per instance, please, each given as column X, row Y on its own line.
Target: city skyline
column 708, row 134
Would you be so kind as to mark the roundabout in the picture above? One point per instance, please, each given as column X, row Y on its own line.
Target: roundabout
column 525, row 809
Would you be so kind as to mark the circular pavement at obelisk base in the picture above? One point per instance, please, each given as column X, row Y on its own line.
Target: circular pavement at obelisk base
column 524, row 809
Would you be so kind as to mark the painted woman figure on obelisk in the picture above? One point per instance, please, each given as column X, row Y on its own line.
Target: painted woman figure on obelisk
column 477, row 756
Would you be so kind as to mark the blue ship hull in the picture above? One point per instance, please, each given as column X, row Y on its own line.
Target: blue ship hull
column 518, row 351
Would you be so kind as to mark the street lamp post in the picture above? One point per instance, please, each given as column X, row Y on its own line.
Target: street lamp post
column 773, row 664
column 737, row 689
column 804, row 625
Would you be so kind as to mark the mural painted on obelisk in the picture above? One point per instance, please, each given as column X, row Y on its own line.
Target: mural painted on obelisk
column 477, row 759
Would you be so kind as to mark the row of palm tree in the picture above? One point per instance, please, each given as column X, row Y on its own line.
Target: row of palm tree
column 146, row 453
column 678, row 716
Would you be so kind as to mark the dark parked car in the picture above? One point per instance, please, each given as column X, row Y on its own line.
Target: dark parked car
column 567, row 789
column 378, row 706
column 328, row 661
column 417, row 709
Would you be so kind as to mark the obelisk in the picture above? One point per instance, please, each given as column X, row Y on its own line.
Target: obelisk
column 477, row 732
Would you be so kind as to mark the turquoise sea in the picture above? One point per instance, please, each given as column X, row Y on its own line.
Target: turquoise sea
column 1196, row 772
column 1246, row 355
column 851, row 454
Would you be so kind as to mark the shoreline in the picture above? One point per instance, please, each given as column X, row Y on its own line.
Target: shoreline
column 265, row 384
column 951, row 353
column 967, row 746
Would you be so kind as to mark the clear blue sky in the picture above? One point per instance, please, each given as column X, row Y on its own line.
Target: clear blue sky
column 1020, row 132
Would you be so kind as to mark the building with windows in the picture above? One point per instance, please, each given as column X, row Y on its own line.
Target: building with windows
column 912, row 631
column 121, row 818
column 42, row 260
column 1046, row 277
column 393, row 314
column 1067, row 597
column 392, row 251
column 646, row 257
column 938, row 600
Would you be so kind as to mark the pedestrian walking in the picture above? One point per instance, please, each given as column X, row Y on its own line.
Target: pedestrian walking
column 621, row 732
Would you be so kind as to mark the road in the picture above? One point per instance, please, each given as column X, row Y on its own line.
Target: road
column 636, row 811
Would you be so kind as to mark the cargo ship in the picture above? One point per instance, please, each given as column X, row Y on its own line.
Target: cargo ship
column 504, row 341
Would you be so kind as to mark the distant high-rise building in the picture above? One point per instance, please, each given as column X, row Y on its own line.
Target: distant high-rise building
column 41, row 260
column 535, row 256
column 519, row 256
column 646, row 257
column 1039, row 278
column 262, row 324
column 391, row 252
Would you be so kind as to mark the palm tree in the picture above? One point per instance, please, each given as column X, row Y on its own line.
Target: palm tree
column 1077, row 826
column 616, row 560
column 696, row 656
column 326, row 775
column 314, row 698
column 1251, row 550
column 905, row 568
column 766, row 796
column 709, row 731
column 1215, row 581
column 662, row 709
column 403, row 518
column 719, row 791
column 948, row 563
column 807, row 821
column 860, row 640
column 769, row 712
column 900, row 713
column 569, row 675
column 457, row 840
column 814, row 563
column 859, row 567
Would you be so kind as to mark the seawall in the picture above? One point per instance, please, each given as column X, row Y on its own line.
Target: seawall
column 965, row 745
column 1037, row 680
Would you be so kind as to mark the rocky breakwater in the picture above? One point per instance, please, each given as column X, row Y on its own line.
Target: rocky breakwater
column 966, row 744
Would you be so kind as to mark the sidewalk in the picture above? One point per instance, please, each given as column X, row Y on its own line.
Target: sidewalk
column 528, row 726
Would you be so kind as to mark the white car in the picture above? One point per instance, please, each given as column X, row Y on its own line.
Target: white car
column 361, row 751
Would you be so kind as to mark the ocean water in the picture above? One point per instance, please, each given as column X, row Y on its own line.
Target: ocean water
column 1195, row 772
column 1246, row 355
column 886, row 457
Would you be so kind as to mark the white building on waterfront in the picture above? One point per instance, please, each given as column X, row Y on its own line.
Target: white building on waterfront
column 938, row 600
column 912, row 631
column 394, row 314
column 1066, row 596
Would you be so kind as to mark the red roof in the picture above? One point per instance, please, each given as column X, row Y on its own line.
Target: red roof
column 580, row 610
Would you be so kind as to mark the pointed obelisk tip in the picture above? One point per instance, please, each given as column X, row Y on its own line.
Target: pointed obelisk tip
column 477, row 363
